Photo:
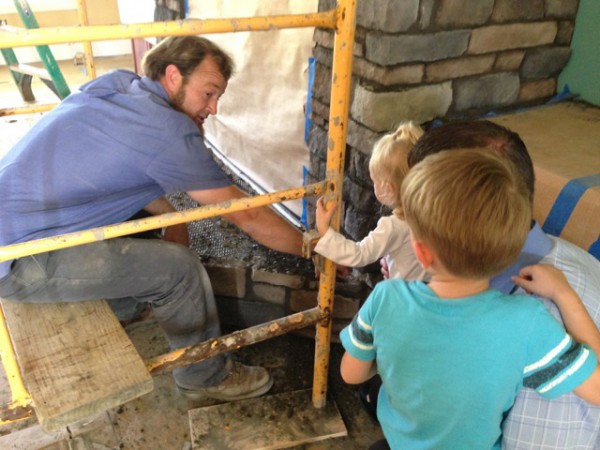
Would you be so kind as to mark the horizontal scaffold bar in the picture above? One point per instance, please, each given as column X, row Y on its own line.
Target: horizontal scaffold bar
column 29, row 109
column 190, row 355
column 36, row 246
column 11, row 37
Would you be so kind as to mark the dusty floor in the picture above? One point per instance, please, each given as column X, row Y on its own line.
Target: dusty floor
column 159, row 420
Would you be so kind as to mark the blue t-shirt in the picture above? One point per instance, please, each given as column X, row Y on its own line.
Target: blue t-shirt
column 452, row 368
column 99, row 157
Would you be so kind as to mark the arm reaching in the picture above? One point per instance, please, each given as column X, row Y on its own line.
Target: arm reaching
column 356, row 371
column 175, row 233
column 323, row 216
column 262, row 224
column 547, row 281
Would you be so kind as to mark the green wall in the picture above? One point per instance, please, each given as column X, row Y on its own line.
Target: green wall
column 582, row 73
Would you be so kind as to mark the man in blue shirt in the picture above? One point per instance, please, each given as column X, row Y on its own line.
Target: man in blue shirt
column 116, row 147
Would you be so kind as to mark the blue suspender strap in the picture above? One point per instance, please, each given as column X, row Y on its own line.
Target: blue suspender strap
column 566, row 202
column 595, row 248
column 536, row 247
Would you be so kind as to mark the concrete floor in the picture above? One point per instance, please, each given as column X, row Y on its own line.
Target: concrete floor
column 159, row 420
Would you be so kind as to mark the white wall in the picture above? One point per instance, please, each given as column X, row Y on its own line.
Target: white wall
column 260, row 124
column 62, row 51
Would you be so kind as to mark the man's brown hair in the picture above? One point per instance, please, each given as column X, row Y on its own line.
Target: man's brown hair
column 185, row 52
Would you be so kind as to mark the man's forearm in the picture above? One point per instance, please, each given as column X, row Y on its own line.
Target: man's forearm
column 268, row 228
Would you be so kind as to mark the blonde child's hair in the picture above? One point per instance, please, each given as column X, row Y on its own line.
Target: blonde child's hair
column 388, row 160
column 472, row 207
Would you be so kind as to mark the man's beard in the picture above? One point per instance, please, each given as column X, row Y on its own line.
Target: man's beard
column 177, row 103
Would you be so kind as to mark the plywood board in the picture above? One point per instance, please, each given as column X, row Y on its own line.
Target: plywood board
column 76, row 359
column 564, row 142
column 272, row 422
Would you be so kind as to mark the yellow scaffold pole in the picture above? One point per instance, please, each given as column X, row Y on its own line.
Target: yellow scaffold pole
column 87, row 46
column 34, row 247
column 20, row 406
column 20, row 37
column 336, row 151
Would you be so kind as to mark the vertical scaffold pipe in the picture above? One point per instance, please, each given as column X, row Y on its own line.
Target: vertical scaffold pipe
column 336, row 151
column 87, row 46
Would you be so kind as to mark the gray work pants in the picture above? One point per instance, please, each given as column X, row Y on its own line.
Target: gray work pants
column 168, row 276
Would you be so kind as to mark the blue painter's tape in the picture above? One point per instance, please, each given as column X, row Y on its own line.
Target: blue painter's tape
column 595, row 249
column 566, row 202
column 312, row 64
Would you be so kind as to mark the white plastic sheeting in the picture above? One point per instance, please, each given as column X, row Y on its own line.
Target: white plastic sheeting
column 261, row 120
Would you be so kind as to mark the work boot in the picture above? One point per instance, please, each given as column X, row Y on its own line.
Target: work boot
column 242, row 382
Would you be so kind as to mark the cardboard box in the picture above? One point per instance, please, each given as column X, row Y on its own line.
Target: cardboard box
column 564, row 142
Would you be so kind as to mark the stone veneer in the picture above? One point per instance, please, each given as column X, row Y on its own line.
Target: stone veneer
column 423, row 60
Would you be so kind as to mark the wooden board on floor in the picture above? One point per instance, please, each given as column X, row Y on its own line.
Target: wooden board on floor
column 271, row 422
column 76, row 359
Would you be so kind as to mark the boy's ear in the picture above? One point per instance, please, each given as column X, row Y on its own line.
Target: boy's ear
column 423, row 253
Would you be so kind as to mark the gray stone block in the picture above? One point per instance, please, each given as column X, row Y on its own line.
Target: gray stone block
column 357, row 224
column 390, row 16
column 496, row 38
column 565, row 32
column 383, row 111
column 544, row 62
column 459, row 67
column 509, row 61
column 537, row 90
column 389, row 50
column 516, row 10
column 359, row 168
column 227, row 280
column 487, row 91
column 426, row 15
column 561, row 8
column 456, row 14
column 361, row 138
column 360, row 195
column 292, row 281
column 387, row 76
column 343, row 307
column 269, row 293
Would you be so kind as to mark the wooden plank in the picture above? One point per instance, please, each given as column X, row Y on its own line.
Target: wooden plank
column 34, row 438
column 273, row 422
column 76, row 359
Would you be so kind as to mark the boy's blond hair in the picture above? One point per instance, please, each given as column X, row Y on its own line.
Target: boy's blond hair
column 471, row 207
column 388, row 160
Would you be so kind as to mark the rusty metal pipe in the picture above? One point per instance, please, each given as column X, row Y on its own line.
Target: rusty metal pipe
column 336, row 152
column 234, row 341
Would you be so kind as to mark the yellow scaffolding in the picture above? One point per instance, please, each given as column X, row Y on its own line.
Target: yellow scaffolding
column 342, row 20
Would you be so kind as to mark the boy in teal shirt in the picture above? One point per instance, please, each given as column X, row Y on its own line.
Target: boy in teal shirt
column 453, row 353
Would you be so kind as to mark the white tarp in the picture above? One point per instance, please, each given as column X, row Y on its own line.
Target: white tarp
column 261, row 120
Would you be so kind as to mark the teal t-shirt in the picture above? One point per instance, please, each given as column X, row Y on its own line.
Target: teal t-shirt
column 451, row 368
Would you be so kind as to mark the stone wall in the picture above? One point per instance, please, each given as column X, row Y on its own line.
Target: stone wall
column 423, row 60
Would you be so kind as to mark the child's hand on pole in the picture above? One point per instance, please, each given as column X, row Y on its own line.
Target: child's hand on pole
column 324, row 214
